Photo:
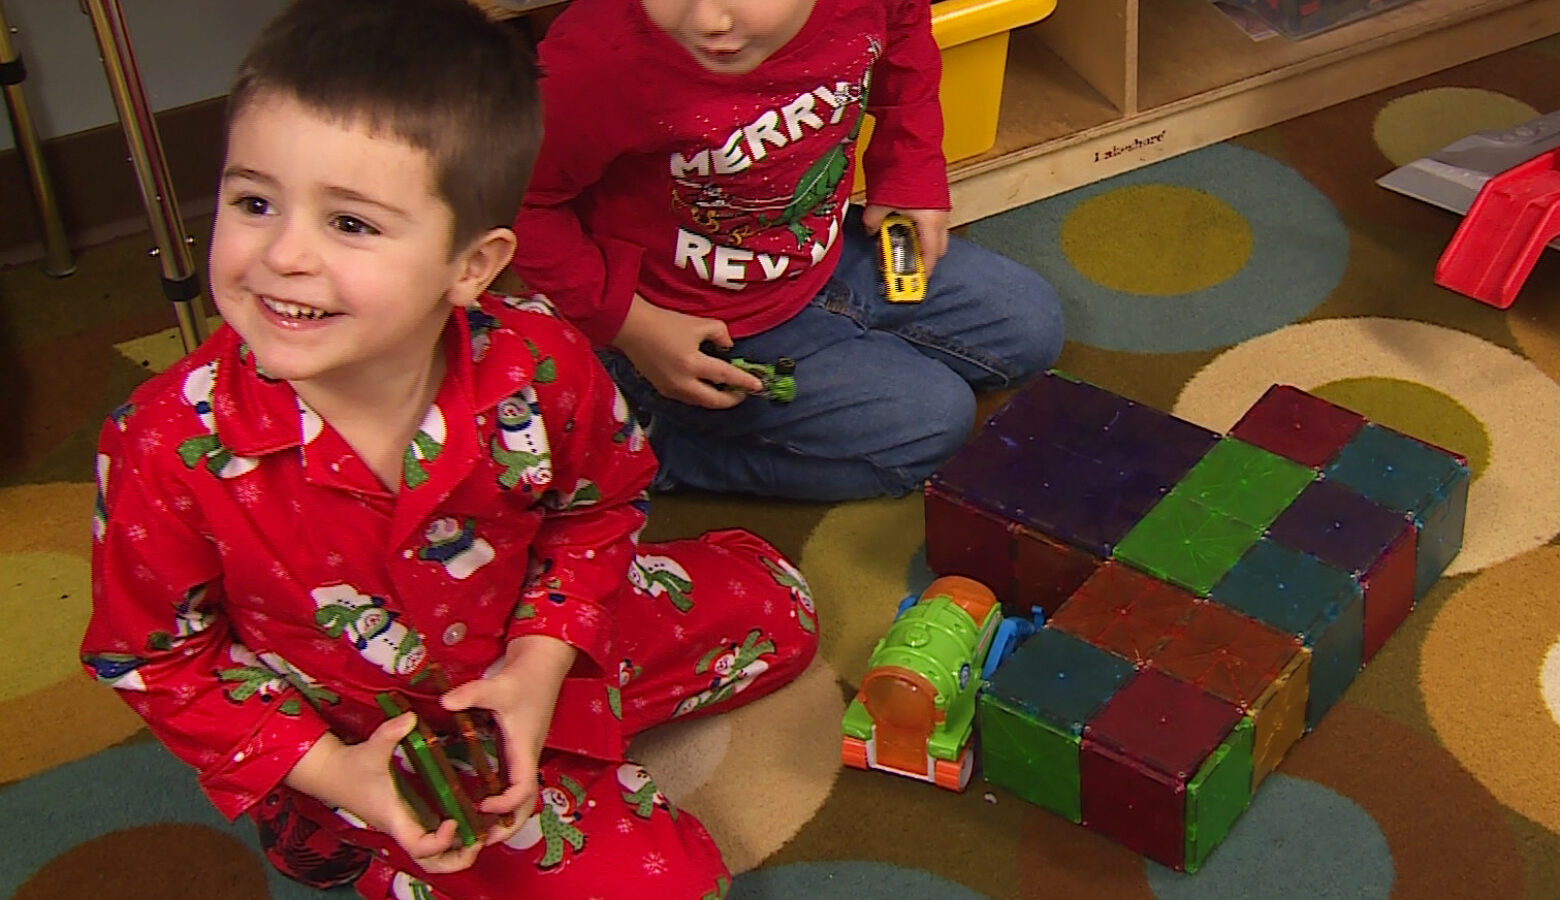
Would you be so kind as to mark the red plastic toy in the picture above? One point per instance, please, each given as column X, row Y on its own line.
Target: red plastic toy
column 1515, row 216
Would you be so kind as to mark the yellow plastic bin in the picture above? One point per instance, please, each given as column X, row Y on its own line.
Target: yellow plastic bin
column 973, row 35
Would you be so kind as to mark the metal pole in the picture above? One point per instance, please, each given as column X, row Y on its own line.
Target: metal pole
column 56, row 252
column 180, row 283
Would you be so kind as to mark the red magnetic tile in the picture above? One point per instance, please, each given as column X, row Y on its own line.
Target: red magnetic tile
column 963, row 540
column 1166, row 723
column 1226, row 654
column 1138, row 806
column 1389, row 591
column 1046, row 571
column 1297, row 425
column 1124, row 611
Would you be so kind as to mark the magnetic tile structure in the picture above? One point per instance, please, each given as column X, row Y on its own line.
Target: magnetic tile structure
column 1207, row 598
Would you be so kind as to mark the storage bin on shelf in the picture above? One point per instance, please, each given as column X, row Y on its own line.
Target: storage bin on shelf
column 973, row 36
column 1303, row 18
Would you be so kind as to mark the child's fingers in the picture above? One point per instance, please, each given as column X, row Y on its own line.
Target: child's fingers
column 519, row 798
column 449, row 855
column 391, row 731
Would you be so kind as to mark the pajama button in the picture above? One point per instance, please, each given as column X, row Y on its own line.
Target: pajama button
column 454, row 634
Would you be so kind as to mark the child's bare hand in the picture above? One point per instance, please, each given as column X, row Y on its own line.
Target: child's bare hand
column 356, row 778
column 931, row 227
column 521, row 696
column 664, row 346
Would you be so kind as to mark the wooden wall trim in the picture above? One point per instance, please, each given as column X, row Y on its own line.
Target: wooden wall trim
column 96, row 185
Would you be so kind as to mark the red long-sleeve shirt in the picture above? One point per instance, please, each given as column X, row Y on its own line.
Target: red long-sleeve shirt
column 718, row 195
column 255, row 585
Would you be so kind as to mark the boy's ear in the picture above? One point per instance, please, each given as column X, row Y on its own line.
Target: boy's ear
column 481, row 262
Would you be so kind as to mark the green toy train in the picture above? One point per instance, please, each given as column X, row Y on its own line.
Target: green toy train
column 914, row 714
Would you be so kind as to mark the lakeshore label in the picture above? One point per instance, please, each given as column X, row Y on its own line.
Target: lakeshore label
column 1137, row 144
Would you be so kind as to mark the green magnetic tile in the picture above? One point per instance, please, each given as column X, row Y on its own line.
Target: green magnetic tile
column 1186, row 544
column 1029, row 757
column 1244, row 482
column 1219, row 793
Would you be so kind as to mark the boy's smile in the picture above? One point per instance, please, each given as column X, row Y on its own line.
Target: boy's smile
column 729, row 37
column 330, row 253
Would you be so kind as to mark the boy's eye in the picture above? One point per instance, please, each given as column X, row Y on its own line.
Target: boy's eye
column 252, row 205
column 352, row 225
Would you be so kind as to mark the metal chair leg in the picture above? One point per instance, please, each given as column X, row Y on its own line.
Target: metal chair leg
column 181, row 285
column 56, row 252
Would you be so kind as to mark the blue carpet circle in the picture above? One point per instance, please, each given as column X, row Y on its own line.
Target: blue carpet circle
column 120, row 788
column 1298, row 839
column 1300, row 248
column 846, row 880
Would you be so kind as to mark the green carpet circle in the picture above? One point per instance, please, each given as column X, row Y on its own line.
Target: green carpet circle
column 1423, row 122
column 858, row 557
column 1414, row 409
column 48, row 598
column 1156, row 240
column 1299, row 250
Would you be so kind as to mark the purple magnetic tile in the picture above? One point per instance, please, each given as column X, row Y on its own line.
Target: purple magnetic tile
column 1051, row 404
column 1338, row 526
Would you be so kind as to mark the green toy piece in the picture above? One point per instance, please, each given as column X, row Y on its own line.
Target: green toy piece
column 779, row 377
column 433, row 767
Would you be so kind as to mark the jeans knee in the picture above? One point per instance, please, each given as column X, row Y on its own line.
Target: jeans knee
column 938, row 418
column 1039, row 326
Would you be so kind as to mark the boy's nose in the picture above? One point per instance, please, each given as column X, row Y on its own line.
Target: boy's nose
column 291, row 248
column 712, row 16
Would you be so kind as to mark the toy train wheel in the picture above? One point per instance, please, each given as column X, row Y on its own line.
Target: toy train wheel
column 954, row 776
column 853, row 752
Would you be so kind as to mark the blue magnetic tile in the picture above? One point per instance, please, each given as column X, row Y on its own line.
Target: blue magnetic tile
column 1059, row 679
column 1395, row 470
column 1440, row 537
column 1338, row 526
column 1403, row 474
column 1303, row 596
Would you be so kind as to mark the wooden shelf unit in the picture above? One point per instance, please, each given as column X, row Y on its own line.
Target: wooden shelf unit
column 1101, row 87
column 1105, row 86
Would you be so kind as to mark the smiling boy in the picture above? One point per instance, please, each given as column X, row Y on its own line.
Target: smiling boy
column 378, row 477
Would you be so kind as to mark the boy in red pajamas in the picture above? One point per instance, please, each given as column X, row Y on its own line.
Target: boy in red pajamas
column 379, row 477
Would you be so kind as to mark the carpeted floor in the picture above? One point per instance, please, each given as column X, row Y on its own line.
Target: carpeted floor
column 1191, row 286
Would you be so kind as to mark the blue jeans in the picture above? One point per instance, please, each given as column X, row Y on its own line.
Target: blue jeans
column 884, row 391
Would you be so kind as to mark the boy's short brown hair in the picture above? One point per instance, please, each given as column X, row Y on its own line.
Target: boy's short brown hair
column 435, row 74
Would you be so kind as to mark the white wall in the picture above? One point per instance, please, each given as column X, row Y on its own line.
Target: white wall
column 186, row 51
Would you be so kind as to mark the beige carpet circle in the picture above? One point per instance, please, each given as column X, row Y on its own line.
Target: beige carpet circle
column 683, row 754
column 752, row 783
column 1480, row 675
column 1549, row 680
column 858, row 562
column 45, row 601
column 1514, row 507
column 1535, row 322
column 1421, row 123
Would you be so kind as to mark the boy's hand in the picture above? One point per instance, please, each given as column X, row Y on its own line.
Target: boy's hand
column 664, row 346
column 931, row 227
column 356, row 778
column 520, row 695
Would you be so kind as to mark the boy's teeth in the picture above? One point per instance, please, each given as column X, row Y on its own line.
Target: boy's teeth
column 293, row 310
